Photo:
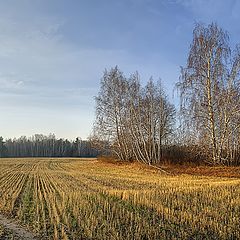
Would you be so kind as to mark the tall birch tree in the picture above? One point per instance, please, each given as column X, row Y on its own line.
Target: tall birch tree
column 208, row 88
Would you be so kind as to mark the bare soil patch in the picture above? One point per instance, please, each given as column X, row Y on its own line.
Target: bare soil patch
column 9, row 229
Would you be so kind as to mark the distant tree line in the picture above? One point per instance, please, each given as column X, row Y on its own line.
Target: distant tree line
column 136, row 122
column 40, row 145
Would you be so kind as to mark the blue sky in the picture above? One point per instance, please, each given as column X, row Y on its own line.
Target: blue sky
column 53, row 54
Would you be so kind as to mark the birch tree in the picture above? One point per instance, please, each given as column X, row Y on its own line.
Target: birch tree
column 208, row 89
column 152, row 120
column 111, row 111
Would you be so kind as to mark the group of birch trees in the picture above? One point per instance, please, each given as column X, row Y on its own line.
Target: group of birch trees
column 210, row 94
column 135, row 121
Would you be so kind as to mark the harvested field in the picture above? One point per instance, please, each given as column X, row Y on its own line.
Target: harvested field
column 88, row 199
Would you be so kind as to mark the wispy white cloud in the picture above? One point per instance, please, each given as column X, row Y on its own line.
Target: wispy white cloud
column 47, row 83
column 209, row 9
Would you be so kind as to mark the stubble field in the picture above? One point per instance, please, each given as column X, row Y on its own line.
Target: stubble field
column 87, row 199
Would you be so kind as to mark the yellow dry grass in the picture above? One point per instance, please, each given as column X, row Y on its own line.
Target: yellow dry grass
column 87, row 199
